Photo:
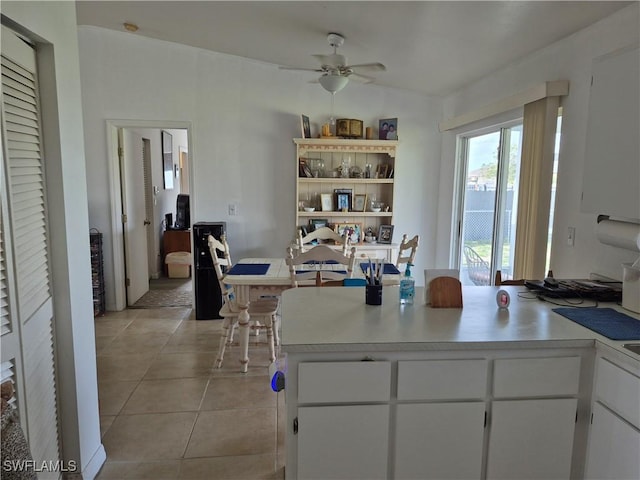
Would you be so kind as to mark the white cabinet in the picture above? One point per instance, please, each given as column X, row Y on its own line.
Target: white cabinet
column 446, row 415
column 531, row 439
column 317, row 163
column 439, row 440
column 340, row 433
column 614, row 438
column 338, row 442
column 530, row 436
column 613, row 447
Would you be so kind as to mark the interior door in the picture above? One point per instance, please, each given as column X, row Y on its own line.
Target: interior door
column 135, row 221
column 26, row 302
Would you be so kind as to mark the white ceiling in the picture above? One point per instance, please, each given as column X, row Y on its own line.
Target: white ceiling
column 429, row 47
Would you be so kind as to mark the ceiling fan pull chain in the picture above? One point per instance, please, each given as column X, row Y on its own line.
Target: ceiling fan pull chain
column 332, row 118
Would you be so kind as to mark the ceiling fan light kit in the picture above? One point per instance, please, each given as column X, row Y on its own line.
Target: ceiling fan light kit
column 333, row 83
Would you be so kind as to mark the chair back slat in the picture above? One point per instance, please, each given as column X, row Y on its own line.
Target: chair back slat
column 222, row 246
column 407, row 250
column 322, row 233
column 319, row 256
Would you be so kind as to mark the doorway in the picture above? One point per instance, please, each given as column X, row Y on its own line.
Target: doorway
column 141, row 169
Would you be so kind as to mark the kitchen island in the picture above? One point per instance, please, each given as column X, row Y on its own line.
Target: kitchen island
column 410, row 391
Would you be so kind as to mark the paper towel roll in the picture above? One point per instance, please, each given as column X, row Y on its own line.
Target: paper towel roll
column 619, row 234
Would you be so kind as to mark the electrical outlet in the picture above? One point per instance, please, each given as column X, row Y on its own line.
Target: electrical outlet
column 571, row 236
column 233, row 209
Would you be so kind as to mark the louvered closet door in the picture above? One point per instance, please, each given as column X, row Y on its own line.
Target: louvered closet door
column 27, row 330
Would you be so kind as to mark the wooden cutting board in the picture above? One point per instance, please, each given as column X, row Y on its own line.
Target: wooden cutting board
column 445, row 292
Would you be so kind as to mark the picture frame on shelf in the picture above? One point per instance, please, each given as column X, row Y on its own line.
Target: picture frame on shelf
column 344, row 199
column 304, row 170
column 359, row 202
column 326, row 202
column 316, row 223
column 382, row 170
column 354, row 229
column 388, row 129
column 306, row 126
column 385, row 234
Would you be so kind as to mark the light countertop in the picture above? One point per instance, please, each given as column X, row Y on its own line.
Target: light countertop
column 337, row 319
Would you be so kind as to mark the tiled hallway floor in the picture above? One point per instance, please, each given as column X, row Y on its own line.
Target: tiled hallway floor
column 167, row 413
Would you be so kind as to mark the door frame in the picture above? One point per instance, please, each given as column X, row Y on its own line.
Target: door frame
column 117, row 233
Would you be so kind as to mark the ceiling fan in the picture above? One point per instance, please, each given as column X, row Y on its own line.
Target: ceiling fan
column 335, row 70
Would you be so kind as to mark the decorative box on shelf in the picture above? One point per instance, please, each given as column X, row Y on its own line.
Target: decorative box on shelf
column 349, row 127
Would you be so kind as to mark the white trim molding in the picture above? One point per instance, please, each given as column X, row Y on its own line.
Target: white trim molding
column 556, row 88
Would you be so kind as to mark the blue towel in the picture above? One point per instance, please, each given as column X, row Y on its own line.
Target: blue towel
column 605, row 321
column 388, row 269
column 249, row 269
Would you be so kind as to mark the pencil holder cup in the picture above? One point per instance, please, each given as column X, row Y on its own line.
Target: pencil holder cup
column 373, row 294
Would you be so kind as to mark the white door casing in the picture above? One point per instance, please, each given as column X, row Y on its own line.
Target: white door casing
column 136, row 222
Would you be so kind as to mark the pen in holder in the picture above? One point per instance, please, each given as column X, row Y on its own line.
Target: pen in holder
column 373, row 294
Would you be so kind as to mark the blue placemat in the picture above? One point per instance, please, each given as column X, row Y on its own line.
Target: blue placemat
column 343, row 272
column 249, row 269
column 388, row 269
column 605, row 321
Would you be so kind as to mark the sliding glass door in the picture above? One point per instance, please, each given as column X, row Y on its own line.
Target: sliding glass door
column 490, row 169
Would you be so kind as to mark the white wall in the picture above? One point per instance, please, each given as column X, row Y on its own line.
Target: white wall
column 244, row 115
column 53, row 26
column 569, row 59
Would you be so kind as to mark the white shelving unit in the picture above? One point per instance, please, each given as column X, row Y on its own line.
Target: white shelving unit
column 324, row 158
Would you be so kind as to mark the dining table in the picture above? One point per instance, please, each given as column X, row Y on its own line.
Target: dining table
column 253, row 278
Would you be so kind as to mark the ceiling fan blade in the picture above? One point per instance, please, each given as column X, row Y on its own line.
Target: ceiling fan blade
column 282, row 67
column 361, row 78
column 373, row 67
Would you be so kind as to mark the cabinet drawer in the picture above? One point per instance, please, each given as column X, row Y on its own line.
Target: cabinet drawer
column 619, row 390
column 536, row 377
column 343, row 382
column 442, row 379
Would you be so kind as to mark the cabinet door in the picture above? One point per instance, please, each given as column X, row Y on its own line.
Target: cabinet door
column 338, row 442
column 439, row 440
column 613, row 447
column 531, row 439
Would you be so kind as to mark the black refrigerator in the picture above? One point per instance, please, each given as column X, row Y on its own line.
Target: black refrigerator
column 205, row 283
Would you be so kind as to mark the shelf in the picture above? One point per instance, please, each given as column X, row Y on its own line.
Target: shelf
column 344, row 180
column 345, row 214
column 332, row 152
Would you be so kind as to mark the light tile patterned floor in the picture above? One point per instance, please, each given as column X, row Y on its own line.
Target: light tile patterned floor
column 167, row 413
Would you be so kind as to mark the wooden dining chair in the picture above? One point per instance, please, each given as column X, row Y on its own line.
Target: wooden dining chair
column 499, row 281
column 315, row 259
column 304, row 242
column 407, row 250
column 262, row 312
